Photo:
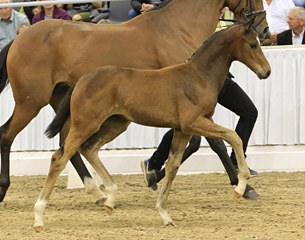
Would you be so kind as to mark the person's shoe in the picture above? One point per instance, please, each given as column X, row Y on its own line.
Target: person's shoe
column 150, row 176
column 253, row 173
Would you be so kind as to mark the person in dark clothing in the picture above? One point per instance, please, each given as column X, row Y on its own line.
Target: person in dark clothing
column 141, row 6
column 295, row 34
column 231, row 97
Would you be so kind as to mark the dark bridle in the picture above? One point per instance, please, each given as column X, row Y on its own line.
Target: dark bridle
column 248, row 12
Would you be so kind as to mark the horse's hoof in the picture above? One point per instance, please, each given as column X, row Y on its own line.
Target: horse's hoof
column 101, row 201
column 170, row 224
column 2, row 194
column 251, row 194
column 109, row 210
column 38, row 228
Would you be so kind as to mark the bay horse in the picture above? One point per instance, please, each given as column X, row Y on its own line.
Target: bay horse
column 182, row 96
column 62, row 51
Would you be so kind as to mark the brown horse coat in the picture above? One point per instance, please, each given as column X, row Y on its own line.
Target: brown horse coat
column 56, row 51
column 182, row 96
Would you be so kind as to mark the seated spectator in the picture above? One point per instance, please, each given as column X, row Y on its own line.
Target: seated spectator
column 225, row 14
column 299, row 3
column 88, row 12
column 11, row 24
column 29, row 11
column 50, row 12
column 295, row 34
column 141, row 6
column 277, row 13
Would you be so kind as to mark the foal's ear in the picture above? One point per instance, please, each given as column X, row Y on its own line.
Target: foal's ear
column 248, row 24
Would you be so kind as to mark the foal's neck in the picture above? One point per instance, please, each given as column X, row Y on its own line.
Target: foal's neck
column 213, row 60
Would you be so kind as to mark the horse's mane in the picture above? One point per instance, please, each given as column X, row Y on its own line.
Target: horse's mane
column 161, row 5
column 209, row 40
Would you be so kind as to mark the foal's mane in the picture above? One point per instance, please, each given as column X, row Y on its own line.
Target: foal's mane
column 209, row 40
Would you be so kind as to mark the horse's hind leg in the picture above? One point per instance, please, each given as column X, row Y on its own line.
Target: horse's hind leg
column 179, row 142
column 58, row 163
column 21, row 117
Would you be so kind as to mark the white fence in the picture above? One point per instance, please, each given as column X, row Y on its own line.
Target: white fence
column 280, row 101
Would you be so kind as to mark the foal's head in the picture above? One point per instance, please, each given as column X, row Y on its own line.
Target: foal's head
column 246, row 48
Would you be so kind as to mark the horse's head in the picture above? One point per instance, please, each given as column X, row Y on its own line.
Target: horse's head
column 251, row 6
column 246, row 48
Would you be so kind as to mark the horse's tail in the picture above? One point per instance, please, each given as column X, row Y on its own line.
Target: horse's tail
column 3, row 70
column 61, row 117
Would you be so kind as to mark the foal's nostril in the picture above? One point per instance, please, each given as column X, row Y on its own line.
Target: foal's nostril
column 268, row 74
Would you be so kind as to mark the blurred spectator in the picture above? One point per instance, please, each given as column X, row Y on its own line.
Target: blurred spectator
column 142, row 6
column 295, row 34
column 299, row 3
column 225, row 14
column 277, row 13
column 50, row 12
column 88, row 12
column 11, row 24
column 29, row 11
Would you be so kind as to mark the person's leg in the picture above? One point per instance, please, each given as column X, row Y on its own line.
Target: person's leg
column 133, row 13
column 152, row 166
column 236, row 100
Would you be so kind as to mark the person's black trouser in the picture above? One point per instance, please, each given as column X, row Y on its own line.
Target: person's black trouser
column 231, row 97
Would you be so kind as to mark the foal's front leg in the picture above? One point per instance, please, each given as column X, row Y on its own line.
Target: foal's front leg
column 179, row 143
column 206, row 127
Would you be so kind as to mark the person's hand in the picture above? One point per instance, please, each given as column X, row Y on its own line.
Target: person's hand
column 146, row 7
column 22, row 28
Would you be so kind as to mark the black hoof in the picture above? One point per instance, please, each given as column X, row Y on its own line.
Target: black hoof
column 251, row 194
column 2, row 194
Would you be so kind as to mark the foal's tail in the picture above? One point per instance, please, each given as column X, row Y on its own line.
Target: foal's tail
column 3, row 70
column 62, row 115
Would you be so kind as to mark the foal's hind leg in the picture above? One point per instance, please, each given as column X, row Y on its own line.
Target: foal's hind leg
column 179, row 143
column 108, row 131
column 58, row 163
column 108, row 183
column 61, row 93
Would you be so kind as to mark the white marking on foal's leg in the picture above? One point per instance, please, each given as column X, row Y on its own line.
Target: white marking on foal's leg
column 168, row 221
column 92, row 188
column 241, row 186
column 39, row 209
column 110, row 202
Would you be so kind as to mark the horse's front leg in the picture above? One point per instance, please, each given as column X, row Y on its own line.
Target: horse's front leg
column 206, row 127
column 5, row 165
column 179, row 143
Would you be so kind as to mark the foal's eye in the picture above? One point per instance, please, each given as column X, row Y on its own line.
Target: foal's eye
column 253, row 45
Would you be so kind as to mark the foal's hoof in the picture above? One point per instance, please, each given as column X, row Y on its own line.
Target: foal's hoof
column 101, row 201
column 251, row 194
column 237, row 195
column 38, row 228
column 108, row 210
column 170, row 224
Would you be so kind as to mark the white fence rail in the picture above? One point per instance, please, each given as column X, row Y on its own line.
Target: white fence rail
column 40, row 3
